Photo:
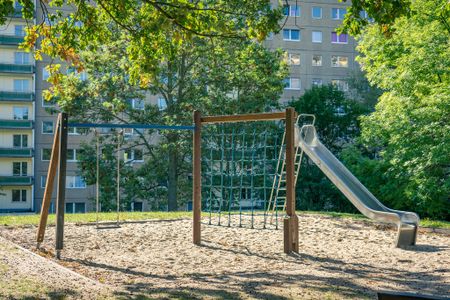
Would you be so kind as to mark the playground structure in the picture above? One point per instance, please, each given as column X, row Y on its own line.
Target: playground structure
column 281, row 170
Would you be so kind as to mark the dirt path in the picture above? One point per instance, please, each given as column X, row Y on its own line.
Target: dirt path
column 25, row 275
column 339, row 259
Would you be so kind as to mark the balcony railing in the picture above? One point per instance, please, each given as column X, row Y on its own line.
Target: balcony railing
column 16, row 96
column 10, row 39
column 15, row 180
column 16, row 68
column 16, row 152
column 16, row 124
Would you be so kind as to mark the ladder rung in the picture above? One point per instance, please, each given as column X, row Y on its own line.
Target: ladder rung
column 281, row 197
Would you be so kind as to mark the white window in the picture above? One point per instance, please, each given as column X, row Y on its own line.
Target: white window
column 338, row 13
column 20, row 168
column 269, row 36
column 19, row 196
column 162, row 104
column 317, row 82
column 340, row 84
column 138, row 104
column 294, row 59
column 81, row 75
column 76, row 131
column 47, row 127
column 75, row 182
column 291, row 34
column 20, row 112
column 21, row 85
column 75, row 207
column 317, row 36
column 316, row 12
column 22, row 58
column 19, row 30
column 133, row 155
column 43, row 181
column 291, row 10
column 339, row 61
column 20, row 140
column 339, row 38
column 317, row 60
column 45, row 74
column 72, row 155
column 292, row 83
column 46, row 154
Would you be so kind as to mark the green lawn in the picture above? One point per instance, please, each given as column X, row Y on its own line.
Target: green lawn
column 20, row 220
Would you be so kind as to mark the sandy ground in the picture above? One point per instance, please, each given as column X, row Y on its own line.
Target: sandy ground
column 24, row 275
column 338, row 259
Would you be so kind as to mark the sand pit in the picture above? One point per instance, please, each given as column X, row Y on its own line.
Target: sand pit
column 339, row 259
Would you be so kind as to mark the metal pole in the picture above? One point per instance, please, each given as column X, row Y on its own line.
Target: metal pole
column 196, row 182
column 97, row 174
column 118, row 174
column 60, row 199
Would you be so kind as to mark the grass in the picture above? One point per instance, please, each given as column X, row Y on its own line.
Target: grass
column 23, row 220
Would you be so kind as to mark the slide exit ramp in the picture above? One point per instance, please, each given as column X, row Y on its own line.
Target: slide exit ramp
column 355, row 191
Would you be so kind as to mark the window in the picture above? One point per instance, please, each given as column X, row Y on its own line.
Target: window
column 21, row 85
column 19, row 195
column 162, row 104
column 81, row 75
column 269, row 36
column 20, row 112
column 45, row 74
column 19, row 30
column 291, row 10
column 339, row 61
column 46, row 154
column 20, row 141
column 317, row 82
column 364, row 15
column 22, row 58
column 135, row 155
column 294, row 59
column 317, row 60
column 43, row 181
column 74, row 207
column 340, row 84
column 20, row 168
column 317, row 12
column 47, row 127
column 338, row 13
column 72, row 155
column 317, row 36
column 291, row 34
column 292, row 83
column 75, row 182
column 76, row 131
column 136, row 206
column 138, row 104
column 339, row 38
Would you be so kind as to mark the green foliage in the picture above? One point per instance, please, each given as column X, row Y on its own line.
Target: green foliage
column 337, row 126
column 410, row 130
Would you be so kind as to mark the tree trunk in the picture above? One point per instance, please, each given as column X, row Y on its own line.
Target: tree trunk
column 173, row 178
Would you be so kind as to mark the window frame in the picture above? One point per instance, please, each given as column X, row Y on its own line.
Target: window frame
column 290, row 59
column 290, row 84
column 338, row 60
column 312, row 13
column 72, row 179
column 312, row 36
column 23, row 114
column 22, row 195
column 338, row 10
column 321, row 60
column 338, row 38
column 290, row 35
column 42, row 127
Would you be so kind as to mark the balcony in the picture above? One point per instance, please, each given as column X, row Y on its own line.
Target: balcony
column 17, row 96
column 16, row 124
column 16, row 152
column 16, row 180
column 10, row 39
column 16, row 68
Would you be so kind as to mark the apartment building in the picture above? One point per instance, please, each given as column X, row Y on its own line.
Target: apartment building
column 315, row 52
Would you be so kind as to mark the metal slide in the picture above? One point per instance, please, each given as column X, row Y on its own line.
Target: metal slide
column 353, row 189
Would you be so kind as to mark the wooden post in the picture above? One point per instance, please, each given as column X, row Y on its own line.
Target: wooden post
column 61, row 191
column 49, row 185
column 196, row 174
column 291, row 221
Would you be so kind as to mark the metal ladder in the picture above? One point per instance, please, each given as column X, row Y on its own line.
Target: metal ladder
column 277, row 200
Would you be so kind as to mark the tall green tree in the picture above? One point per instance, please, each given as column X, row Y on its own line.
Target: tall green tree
column 337, row 126
column 408, row 136
column 217, row 77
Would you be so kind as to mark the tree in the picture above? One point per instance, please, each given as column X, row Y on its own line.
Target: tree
column 361, row 90
column 337, row 125
column 408, row 134
column 217, row 77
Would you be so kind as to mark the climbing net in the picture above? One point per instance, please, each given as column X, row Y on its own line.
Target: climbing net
column 239, row 164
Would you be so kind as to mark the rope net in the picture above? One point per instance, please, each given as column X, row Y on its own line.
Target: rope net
column 239, row 164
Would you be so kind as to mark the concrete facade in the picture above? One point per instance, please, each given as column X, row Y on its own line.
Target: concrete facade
column 306, row 36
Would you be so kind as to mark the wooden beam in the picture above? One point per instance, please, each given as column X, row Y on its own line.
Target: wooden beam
column 197, row 181
column 60, row 200
column 244, row 118
column 51, row 172
column 291, row 222
column 406, row 296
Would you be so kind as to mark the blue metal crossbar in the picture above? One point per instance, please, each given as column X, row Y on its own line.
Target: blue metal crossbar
column 136, row 126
